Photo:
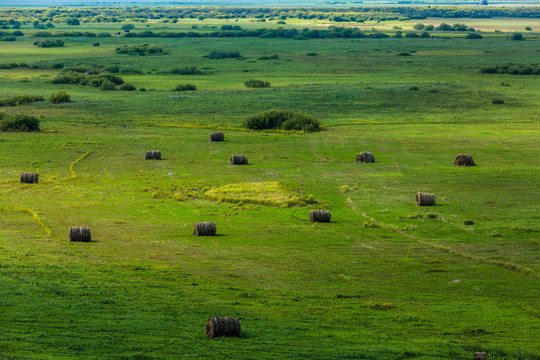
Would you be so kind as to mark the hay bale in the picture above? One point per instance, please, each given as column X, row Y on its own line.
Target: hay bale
column 217, row 136
column 29, row 178
column 480, row 356
column 319, row 216
column 205, row 228
column 464, row 160
column 118, row 33
column 425, row 199
column 80, row 234
column 222, row 326
column 95, row 44
column 36, row 42
column 153, row 155
column 365, row 157
column 239, row 160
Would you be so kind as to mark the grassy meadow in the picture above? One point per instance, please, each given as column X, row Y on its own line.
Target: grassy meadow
column 384, row 280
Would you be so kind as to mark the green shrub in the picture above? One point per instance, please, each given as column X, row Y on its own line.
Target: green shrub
column 128, row 87
column 20, row 100
column 60, row 97
column 224, row 55
column 107, row 85
column 418, row 26
column 51, row 43
column 497, row 101
column 271, row 57
column 252, row 83
column 185, row 87
column 19, row 123
column 187, row 70
column 144, row 49
column 279, row 119
column 113, row 69
column 473, row 36
column 404, row 54
column 516, row 36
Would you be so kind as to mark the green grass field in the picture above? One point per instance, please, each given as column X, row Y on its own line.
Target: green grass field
column 384, row 280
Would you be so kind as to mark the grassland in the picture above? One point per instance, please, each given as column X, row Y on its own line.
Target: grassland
column 384, row 280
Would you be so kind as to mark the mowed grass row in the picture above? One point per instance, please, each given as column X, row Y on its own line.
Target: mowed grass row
column 354, row 288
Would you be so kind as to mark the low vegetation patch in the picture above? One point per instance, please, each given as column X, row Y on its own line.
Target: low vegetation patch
column 60, row 97
column 142, row 50
column 270, row 193
column 285, row 120
column 252, row 83
column 187, row 70
column 185, row 87
column 269, row 57
column 20, row 100
column 51, row 43
column 72, row 77
column 224, row 55
column 512, row 69
column 18, row 123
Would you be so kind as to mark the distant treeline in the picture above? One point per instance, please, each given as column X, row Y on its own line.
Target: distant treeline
column 14, row 17
column 333, row 32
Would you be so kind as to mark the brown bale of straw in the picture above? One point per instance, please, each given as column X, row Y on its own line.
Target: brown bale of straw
column 464, row 160
column 205, row 228
column 239, row 160
column 153, row 155
column 79, row 234
column 222, row 326
column 29, row 178
column 425, row 199
column 217, row 136
column 480, row 356
column 365, row 157
column 319, row 216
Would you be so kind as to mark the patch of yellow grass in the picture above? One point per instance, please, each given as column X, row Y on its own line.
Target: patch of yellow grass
column 270, row 193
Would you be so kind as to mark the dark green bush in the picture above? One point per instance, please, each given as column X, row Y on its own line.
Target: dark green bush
column 60, row 97
column 473, row 36
column 252, row 83
column 497, row 101
column 516, row 36
column 279, row 119
column 113, row 69
column 187, row 70
column 127, row 87
column 51, row 43
column 144, row 49
column 107, row 85
column 223, row 55
column 20, row 100
column 19, row 123
column 185, row 87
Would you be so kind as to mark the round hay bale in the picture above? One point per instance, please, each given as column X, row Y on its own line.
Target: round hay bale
column 319, row 216
column 29, row 178
column 95, row 44
column 425, row 199
column 480, row 356
column 217, row 136
column 153, row 155
column 222, row 326
column 464, row 160
column 79, row 234
column 205, row 228
column 239, row 160
column 365, row 157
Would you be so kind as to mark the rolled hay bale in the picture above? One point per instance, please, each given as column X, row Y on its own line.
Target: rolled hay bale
column 95, row 44
column 319, row 216
column 239, row 160
column 79, row 234
column 365, row 157
column 205, row 228
column 153, row 155
column 217, row 136
column 222, row 326
column 425, row 199
column 480, row 356
column 464, row 160
column 29, row 178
